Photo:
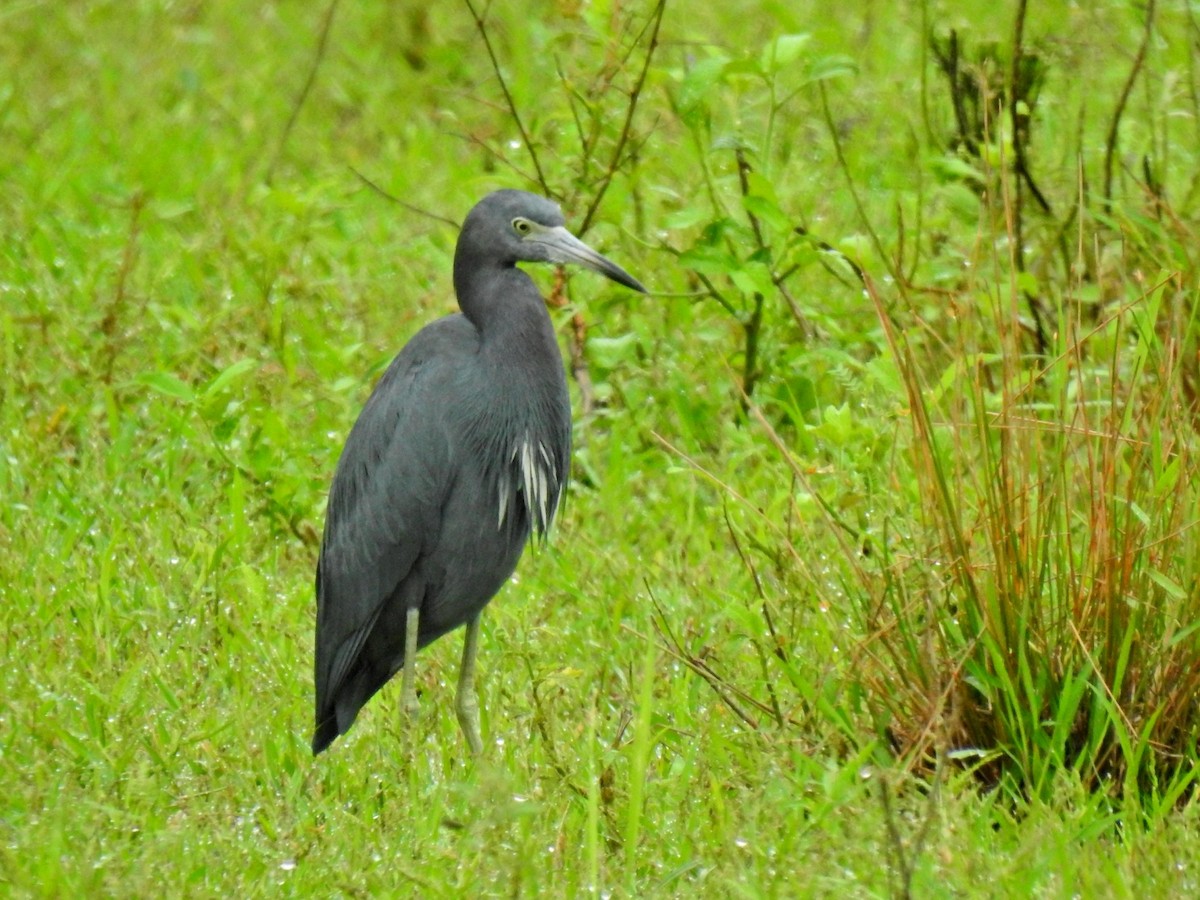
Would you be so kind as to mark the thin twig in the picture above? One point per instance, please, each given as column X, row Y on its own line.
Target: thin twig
column 1022, row 172
column 622, row 139
column 753, row 325
column 1110, row 146
column 394, row 199
column 895, row 841
column 322, row 43
column 574, row 97
column 762, row 657
column 948, row 61
column 116, row 308
column 496, row 155
column 578, row 337
column 1016, row 95
column 720, row 686
column 710, row 289
column 539, row 719
column 864, row 219
column 481, row 27
column 925, row 45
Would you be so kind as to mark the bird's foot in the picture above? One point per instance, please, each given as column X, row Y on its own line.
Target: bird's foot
column 467, row 708
column 410, row 707
column 466, row 703
column 408, row 687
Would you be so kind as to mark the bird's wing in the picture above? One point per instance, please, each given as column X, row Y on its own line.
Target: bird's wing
column 386, row 499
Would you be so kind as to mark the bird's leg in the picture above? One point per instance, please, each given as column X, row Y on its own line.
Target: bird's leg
column 466, row 704
column 408, row 689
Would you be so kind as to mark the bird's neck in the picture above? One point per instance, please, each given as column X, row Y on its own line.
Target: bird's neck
column 499, row 300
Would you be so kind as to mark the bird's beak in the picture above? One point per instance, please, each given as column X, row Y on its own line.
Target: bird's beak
column 563, row 247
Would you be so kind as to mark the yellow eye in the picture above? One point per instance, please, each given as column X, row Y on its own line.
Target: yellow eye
column 522, row 226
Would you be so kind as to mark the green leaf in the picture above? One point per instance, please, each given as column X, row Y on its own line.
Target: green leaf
column 709, row 261
column 610, row 352
column 697, row 83
column 1027, row 282
column 840, row 422
column 954, row 168
column 168, row 384
column 731, row 141
column 766, row 211
column 826, row 68
column 227, row 376
column 1165, row 483
column 225, row 428
column 960, row 200
column 753, row 278
column 685, row 218
column 1174, row 590
column 744, row 67
column 783, row 51
column 173, row 209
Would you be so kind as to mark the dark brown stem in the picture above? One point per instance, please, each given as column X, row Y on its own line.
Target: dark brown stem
column 499, row 157
column 753, row 325
column 897, row 276
column 722, row 688
column 1110, row 146
column 895, row 841
column 776, row 708
column 626, row 127
column 322, row 43
column 948, row 61
column 394, row 199
column 481, row 27
column 110, row 325
column 1018, row 141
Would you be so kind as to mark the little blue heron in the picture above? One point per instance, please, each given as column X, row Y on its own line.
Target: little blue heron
column 459, row 456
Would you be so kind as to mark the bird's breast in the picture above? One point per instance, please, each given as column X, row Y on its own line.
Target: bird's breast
column 532, row 478
column 524, row 427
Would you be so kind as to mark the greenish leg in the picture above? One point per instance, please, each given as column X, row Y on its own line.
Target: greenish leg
column 466, row 703
column 408, row 689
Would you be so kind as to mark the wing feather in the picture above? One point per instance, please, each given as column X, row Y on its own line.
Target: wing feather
column 384, row 507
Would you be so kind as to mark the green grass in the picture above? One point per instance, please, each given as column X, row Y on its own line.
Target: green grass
column 920, row 618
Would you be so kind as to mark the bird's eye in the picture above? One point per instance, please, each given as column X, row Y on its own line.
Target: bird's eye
column 521, row 226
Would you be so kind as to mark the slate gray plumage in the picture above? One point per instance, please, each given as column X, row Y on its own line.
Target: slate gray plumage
column 460, row 454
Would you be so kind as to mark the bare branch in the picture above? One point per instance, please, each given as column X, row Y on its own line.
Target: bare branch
column 876, row 242
column 481, row 27
column 654, row 24
column 392, row 197
column 1110, row 146
column 494, row 153
column 322, row 43
column 728, row 693
column 110, row 324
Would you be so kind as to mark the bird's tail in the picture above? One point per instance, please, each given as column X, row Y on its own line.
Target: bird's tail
column 325, row 733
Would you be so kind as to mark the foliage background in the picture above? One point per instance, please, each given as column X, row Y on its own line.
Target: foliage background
column 781, row 647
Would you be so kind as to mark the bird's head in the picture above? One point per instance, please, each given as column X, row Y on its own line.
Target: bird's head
column 516, row 226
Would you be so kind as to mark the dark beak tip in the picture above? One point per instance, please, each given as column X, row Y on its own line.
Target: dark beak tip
column 629, row 281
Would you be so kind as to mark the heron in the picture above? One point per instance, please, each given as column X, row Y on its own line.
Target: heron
column 457, row 460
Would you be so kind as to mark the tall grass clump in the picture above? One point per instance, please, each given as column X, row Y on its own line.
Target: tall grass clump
column 1050, row 626
column 1056, row 628
column 1020, row 594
